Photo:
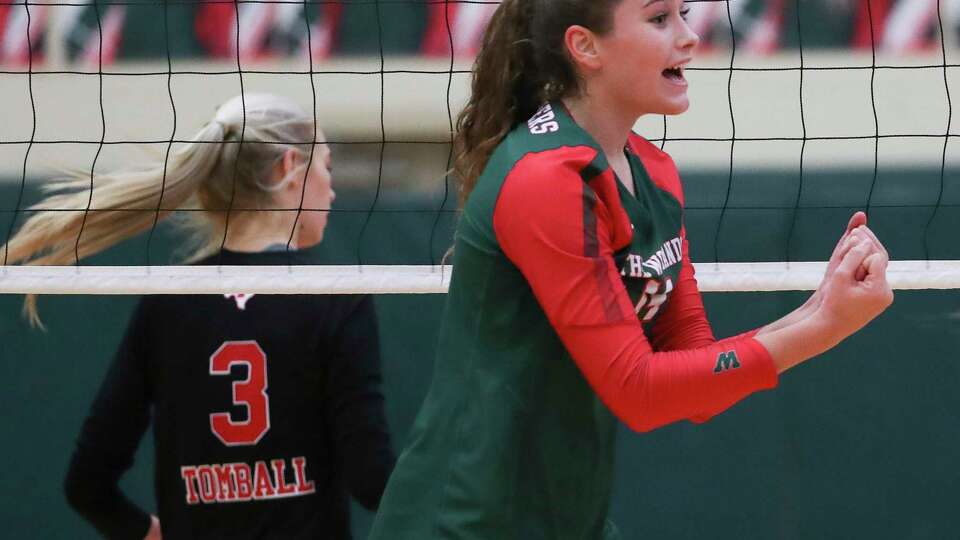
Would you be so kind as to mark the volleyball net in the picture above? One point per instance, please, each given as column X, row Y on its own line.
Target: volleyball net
column 785, row 138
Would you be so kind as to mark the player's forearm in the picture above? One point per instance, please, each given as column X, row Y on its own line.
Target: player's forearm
column 791, row 344
column 114, row 516
column 93, row 493
column 795, row 316
column 647, row 389
column 368, row 483
column 702, row 382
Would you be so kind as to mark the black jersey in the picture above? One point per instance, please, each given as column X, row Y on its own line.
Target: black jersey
column 267, row 414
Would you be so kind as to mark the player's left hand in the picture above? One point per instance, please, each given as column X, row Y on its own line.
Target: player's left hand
column 850, row 302
column 856, row 231
column 855, row 234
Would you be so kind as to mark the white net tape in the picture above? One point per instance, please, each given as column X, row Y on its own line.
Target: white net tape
column 712, row 277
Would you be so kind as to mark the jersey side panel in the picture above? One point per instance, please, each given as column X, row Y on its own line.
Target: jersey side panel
column 501, row 371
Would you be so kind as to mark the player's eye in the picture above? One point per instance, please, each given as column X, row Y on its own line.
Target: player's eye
column 684, row 12
column 659, row 19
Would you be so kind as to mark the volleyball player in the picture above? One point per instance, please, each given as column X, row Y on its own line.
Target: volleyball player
column 573, row 302
column 267, row 410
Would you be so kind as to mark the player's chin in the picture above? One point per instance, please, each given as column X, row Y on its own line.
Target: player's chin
column 677, row 105
column 312, row 233
column 309, row 241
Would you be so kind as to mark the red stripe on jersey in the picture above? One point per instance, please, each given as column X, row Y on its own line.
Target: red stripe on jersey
column 591, row 250
column 600, row 194
column 565, row 231
column 604, row 186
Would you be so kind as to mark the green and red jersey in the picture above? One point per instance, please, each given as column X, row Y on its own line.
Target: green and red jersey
column 570, row 299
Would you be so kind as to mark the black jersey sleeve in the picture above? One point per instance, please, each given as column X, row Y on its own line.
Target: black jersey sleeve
column 355, row 407
column 108, row 441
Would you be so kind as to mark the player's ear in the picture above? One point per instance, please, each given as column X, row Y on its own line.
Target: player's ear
column 290, row 161
column 581, row 44
column 292, row 170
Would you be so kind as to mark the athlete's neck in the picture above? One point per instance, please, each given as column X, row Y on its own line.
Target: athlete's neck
column 258, row 245
column 253, row 232
column 608, row 126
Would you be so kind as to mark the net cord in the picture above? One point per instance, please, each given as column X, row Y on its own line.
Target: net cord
column 394, row 279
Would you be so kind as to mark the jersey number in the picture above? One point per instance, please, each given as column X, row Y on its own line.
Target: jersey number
column 250, row 393
column 655, row 293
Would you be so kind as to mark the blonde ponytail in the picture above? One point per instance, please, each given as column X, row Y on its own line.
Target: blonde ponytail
column 211, row 171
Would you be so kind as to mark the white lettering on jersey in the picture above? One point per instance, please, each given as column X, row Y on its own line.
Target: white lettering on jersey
column 656, row 289
column 544, row 121
column 241, row 299
column 669, row 254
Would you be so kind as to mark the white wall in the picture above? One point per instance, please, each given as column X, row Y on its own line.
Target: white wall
column 765, row 104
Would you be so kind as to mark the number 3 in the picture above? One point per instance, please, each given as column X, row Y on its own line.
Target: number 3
column 250, row 393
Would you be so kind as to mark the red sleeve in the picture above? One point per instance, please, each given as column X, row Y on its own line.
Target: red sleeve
column 683, row 323
column 559, row 228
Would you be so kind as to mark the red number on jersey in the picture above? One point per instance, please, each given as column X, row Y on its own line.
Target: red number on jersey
column 250, row 393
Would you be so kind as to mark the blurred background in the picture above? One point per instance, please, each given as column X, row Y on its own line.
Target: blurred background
column 803, row 111
column 68, row 31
